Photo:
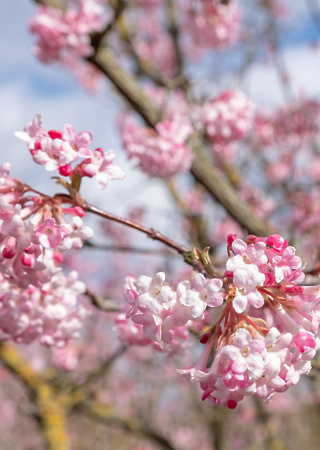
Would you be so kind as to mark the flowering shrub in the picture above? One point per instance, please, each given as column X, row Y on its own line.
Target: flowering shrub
column 237, row 311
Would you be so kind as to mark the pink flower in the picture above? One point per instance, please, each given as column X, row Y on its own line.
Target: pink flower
column 49, row 234
column 56, row 150
column 162, row 153
column 100, row 165
column 81, row 140
column 227, row 118
column 212, row 24
column 245, row 354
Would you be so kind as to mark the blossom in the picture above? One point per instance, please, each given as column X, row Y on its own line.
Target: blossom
column 227, row 118
column 51, row 313
column 58, row 150
column 100, row 165
column 266, row 352
column 64, row 36
column 162, row 152
column 212, row 24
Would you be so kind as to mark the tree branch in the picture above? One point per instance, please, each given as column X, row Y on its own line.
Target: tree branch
column 202, row 169
column 50, row 410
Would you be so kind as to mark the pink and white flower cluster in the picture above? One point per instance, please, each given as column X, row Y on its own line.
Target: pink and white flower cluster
column 36, row 299
column 64, row 36
column 247, row 363
column 57, row 150
column 153, row 43
column 164, row 314
column 30, row 227
column 68, row 31
column 293, row 126
column 162, row 152
column 227, row 118
column 51, row 313
column 266, row 334
column 268, row 331
column 211, row 23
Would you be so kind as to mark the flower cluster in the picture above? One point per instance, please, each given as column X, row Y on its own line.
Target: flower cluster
column 152, row 43
column 248, row 363
column 268, row 331
column 294, row 126
column 67, row 31
column 165, row 314
column 162, row 152
column 57, row 150
column 51, row 313
column 65, row 36
column 266, row 334
column 227, row 118
column 37, row 300
column 211, row 23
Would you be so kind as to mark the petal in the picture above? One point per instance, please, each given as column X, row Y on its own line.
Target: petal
column 239, row 302
column 238, row 246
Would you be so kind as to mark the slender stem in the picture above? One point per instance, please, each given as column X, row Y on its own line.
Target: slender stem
column 150, row 232
column 187, row 254
column 128, row 249
column 102, row 369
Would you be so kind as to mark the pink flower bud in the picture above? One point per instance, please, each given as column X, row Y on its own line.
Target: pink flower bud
column 230, row 239
column 66, row 170
column 277, row 242
column 57, row 257
column 75, row 211
column 8, row 252
column 100, row 150
column 37, row 145
column 55, row 134
column 28, row 260
column 228, row 273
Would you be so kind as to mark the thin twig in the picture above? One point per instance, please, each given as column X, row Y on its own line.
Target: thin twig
column 128, row 249
column 150, row 232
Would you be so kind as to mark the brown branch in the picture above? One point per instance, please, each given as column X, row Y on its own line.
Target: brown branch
column 224, row 193
column 57, row 4
column 102, row 303
column 202, row 169
column 50, row 411
column 150, row 232
column 105, row 61
column 102, row 369
column 128, row 249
